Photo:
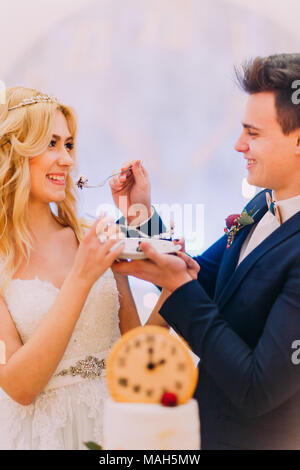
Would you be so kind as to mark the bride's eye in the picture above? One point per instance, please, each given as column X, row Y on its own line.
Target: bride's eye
column 70, row 146
column 52, row 142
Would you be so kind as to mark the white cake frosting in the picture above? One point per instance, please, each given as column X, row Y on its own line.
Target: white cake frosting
column 143, row 426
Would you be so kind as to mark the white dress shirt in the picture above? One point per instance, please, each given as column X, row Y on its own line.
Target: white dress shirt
column 269, row 223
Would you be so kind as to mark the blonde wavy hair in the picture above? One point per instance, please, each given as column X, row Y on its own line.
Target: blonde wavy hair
column 26, row 132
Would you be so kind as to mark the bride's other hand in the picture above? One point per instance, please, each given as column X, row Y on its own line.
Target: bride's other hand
column 134, row 187
column 94, row 257
column 180, row 241
column 155, row 318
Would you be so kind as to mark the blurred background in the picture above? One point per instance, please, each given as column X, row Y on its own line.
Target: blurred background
column 153, row 80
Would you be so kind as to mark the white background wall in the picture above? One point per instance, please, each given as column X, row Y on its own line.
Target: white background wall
column 22, row 23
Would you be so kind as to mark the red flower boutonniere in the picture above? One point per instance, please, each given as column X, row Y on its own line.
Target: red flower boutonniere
column 236, row 222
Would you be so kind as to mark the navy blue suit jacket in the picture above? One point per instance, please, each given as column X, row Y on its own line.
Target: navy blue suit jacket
column 242, row 321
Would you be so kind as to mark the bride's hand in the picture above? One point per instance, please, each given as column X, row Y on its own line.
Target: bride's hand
column 181, row 242
column 134, row 187
column 94, row 257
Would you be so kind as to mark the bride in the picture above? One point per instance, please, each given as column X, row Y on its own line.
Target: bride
column 61, row 307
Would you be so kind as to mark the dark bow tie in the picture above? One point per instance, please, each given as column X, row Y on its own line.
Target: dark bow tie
column 273, row 208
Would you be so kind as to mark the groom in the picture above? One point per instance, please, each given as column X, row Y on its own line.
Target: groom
column 240, row 313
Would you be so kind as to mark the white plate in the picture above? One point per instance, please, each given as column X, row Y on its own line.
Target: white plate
column 131, row 245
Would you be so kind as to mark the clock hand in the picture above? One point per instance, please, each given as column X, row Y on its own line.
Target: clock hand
column 161, row 362
column 151, row 365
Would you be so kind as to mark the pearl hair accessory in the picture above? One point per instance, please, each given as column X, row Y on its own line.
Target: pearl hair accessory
column 35, row 99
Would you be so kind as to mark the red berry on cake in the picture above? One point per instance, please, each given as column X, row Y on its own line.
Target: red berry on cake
column 169, row 399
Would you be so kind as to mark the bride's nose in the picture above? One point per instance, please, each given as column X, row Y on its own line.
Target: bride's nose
column 65, row 158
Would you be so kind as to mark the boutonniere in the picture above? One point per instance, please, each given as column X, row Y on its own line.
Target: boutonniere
column 236, row 222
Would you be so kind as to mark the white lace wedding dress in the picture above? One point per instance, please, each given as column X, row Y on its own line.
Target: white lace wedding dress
column 68, row 412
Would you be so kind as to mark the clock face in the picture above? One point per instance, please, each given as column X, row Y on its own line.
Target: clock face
column 147, row 362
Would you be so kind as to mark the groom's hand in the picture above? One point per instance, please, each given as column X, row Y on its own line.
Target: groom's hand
column 167, row 271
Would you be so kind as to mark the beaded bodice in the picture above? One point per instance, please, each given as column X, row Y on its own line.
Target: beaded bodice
column 96, row 329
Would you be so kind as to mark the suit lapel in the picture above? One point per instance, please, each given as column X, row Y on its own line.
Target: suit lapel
column 286, row 230
column 231, row 256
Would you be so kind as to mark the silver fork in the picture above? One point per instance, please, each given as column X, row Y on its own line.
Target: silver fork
column 82, row 180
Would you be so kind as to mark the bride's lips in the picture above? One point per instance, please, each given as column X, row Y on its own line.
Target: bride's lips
column 59, row 182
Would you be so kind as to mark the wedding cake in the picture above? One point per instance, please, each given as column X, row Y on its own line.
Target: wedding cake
column 151, row 377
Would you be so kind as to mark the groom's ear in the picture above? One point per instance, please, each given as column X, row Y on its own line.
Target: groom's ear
column 297, row 151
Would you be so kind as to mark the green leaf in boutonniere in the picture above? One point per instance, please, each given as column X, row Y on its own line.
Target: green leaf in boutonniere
column 245, row 219
column 235, row 222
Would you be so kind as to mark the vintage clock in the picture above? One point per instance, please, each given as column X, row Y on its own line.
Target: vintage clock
column 148, row 362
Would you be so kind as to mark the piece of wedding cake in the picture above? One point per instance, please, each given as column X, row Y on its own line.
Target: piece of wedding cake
column 151, row 377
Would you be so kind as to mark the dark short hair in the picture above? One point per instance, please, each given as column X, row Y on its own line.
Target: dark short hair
column 275, row 73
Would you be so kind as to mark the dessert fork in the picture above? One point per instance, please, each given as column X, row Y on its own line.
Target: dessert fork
column 82, row 180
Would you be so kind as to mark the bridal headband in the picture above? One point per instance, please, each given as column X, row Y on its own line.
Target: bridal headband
column 35, row 99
